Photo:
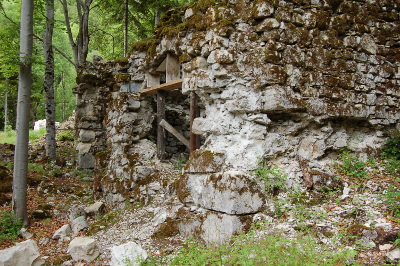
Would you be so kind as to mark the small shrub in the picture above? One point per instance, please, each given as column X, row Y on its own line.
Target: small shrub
column 66, row 136
column 180, row 163
column 392, row 167
column 392, row 198
column 274, row 179
column 37, row 168
column 351, row 165
column 391, row 149
column 10, row 226
column 56, row 172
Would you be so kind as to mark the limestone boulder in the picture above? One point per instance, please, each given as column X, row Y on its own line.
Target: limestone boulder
column 96, row 208
column 62, row 234
column 212, row 227
column 79, row 224
column 231, row 192
column 127, row 254
column 22, row 254
column 83, row 248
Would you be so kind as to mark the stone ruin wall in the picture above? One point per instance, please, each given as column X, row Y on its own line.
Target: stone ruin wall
column 289, row 83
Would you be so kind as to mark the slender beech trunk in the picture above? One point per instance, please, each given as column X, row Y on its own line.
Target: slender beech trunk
column 6, row 107
column 156, row 16
column 49, row 82
column 79, row 46
column 126, row 22
column 23, row 105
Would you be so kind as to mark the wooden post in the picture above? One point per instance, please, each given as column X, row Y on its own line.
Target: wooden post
column 172, row 68
column 160, row 129
column 194, row 113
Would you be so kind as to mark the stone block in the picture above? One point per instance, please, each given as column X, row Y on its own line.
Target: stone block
column 204, row 161
column 24, row 253
column 128, row 254
column 83, row 248
column 86, row 161
column 231, row 192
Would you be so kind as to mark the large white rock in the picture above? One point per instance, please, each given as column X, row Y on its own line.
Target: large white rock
column 220, row 227
column 62, row 233
column 83, row 248
column 79, row 224
column 127, row 254
column 394, row 254
column 231, row 192
column 96, row 208
column 22, row 254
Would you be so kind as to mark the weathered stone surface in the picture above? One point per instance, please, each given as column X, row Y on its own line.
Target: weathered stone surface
column 129, row 253
column 204, row 161
column 394, row 254
column 218, row 228
column 231, row 192
column 62, row 234
column 86, row 161
column 96, row 208
column 86, row 135
column 79, row 224
column 281, row 80
column 23, row 253
column 83, row 248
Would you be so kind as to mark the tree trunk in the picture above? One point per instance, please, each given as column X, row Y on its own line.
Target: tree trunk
column 81, row 45
column 23, row 106
column 49, row 82
column 126, row 27
column 156, row 16
column 6, row 107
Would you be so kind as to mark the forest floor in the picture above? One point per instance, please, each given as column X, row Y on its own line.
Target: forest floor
column 354, row 217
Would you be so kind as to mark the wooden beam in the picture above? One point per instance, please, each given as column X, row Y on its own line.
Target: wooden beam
column 172, row 68
column 194, row 113
column 174, row 132
column 160, row 129
column 166, row 87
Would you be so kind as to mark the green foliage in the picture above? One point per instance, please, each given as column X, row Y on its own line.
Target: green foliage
column 10, row 226
column 392, row 199
column 7, row 137
column 352, row 166
column 36, row 134
column 36, row 168
column 392, row 167
column 274, row 179
column 66, row 136
column 268, row 250
column 56, row 172
column 180, row 163
column 391, row 149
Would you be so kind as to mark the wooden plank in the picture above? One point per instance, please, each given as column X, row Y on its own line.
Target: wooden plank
column 172, row 68
column 174, row 132
column 152, row 79
column 176, row 84
column 194, row 113
column 160, row 129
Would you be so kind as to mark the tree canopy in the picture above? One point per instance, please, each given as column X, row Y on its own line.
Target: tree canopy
column 102, row 34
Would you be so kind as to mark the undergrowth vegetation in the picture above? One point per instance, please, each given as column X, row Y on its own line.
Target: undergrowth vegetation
column 251, row 249
column 9, row 136
column 10, row 226
column 274, row 179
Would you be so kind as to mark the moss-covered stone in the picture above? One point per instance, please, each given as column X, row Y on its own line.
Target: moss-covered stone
column 122, row 77
column 146, row 45
column 204, row 161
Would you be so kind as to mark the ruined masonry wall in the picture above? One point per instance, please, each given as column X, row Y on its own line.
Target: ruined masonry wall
column 290, row 83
